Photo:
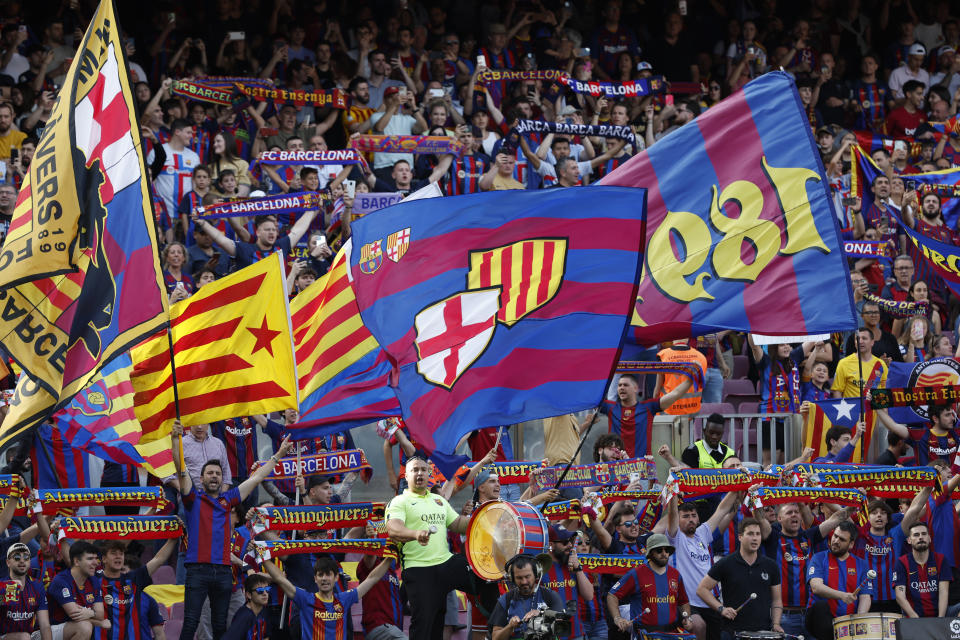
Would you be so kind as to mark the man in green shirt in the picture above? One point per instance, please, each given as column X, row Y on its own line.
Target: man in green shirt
column 419, row 520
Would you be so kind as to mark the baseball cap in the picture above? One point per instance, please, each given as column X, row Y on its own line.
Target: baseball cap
column 560, row 534
column 825, row 129
column 644, row 66
column 483, row 476
column 568, row 110
column 658, row 541
column 19, row 546
column 945, row 49
column 917, row 50
column 258, row 193
column 391, row 91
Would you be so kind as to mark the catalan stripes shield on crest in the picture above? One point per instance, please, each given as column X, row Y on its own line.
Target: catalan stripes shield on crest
column 397, row 244
column 371, row 257
column 529, row 273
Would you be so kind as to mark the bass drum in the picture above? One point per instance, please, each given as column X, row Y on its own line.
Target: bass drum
column 500, row 530
column 866, row 626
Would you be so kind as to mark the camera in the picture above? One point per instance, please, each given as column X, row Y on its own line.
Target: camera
column 548, row 625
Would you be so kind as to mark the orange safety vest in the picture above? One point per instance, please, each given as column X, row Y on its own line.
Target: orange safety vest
column 690, row 401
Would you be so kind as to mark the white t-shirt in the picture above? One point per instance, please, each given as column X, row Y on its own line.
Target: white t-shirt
column 176, row 178
column 400, row 125
column 900, row 76
column 693, row 559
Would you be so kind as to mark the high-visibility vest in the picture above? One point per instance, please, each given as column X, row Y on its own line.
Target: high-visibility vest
column 690, row 401
column 707, row 461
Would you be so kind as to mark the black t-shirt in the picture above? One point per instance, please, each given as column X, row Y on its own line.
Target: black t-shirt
column 738, row 580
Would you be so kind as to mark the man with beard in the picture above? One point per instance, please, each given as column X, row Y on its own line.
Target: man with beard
column 692, row 541
column 658, row 598
column 631, row 419
column 566, row 576
column 791, row 548
column 517, row 606
column 837, row 582
column 922, row 577
column 27, row 611
column 207, row 560
column 930, row 223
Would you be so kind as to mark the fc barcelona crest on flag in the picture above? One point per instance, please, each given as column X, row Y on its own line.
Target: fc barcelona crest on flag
column 397, row 244
column 371, row 257
column 529, row 272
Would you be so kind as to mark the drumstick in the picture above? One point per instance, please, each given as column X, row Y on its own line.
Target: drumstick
column 871, row 574
column 753, row 596
column 640, row 615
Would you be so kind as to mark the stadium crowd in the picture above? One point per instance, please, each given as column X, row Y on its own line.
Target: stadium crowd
column 886, row 67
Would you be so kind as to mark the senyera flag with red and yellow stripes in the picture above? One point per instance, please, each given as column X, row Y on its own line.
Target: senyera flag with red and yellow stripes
column 232, row 348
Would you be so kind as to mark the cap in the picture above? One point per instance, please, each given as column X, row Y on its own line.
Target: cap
column 644, row 66
column 560, row 534
column 497, row 28
column 391, row 91
column 917, row 50
column 945, row 49
column 483, row 476
column 658, row 541
column 825, row 129
column 258, row 193
column 19, row 546
column 568, row 110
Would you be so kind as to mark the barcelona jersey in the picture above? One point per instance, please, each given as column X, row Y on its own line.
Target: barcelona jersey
column 324, row 619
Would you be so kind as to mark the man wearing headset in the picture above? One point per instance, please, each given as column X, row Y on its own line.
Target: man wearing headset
column 509, row 618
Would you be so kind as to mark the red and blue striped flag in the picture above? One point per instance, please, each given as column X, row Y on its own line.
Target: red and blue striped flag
column 499, row 307
column 739, row 216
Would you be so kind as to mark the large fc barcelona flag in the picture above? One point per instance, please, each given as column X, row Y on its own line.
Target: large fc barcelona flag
column 741, row 230
column 499, row 307
column 79, row 269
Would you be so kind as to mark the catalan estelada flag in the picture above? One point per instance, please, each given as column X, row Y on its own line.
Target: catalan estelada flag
column 839, row 412
column 499, row 307
column 343, row 373
column 233, row 352
column 741, row 228
column 80, row 267
column 101, row 420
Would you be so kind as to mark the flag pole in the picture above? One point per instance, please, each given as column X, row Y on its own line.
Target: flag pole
column 176, row 396
column 579, row 447
column 293, row 536
column 862, row 412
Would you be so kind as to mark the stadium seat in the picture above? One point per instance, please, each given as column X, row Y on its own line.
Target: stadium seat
column 174, row 623
column 696, row 425
column 741, row 365
column 736, row 392
column 164, row 575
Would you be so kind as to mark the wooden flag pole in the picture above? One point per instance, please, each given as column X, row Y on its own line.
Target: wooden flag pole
column 862, row 391
column 293, row 536
column 176, row 396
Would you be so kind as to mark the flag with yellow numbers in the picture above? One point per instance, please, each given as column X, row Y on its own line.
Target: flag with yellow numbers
column 741, row 231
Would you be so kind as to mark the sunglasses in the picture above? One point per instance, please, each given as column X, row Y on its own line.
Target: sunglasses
column 262, row 589
column 630, row 523
column 20, row 557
